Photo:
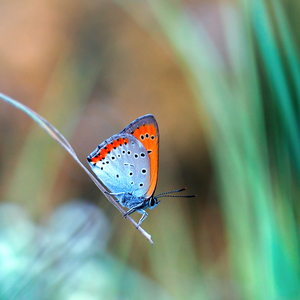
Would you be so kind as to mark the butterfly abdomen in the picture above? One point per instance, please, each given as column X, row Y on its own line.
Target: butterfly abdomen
column 130, row 201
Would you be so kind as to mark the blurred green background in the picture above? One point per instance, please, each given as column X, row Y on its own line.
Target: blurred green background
column 222, row 79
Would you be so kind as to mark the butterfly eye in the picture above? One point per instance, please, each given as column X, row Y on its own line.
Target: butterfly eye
column 152, row 202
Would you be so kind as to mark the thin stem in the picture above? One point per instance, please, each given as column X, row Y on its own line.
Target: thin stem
column 55, row 134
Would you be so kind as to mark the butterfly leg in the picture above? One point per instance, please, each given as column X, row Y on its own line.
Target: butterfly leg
column 132, row 210
column 119, row 196
column 141, row 211
column 144, row 216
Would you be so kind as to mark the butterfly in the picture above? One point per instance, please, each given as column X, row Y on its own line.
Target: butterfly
column 127, row 164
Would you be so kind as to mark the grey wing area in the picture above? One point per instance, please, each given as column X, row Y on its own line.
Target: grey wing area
column 126, row 169
column 143, row 120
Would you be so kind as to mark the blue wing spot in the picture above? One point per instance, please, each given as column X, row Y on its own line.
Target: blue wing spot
column 113, row 158
column 117, row 176
column 101, row 168
column 144, row 171
column 136, row 155
column 107, row 162
column 119, row 155
column 131, row 182
column 141, row 184
column 123, row 152
column 142, row 154
column 128, row 152
column 130, row 174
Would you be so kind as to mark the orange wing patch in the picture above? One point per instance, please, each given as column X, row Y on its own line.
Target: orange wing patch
column 109, row 147
column 145, row 129
column 148, row 135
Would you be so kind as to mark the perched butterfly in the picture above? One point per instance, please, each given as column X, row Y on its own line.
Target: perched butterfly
column 127, row 164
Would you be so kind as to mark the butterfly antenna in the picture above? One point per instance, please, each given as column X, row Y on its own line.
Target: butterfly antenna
column 165, row 194
column 176, row 191
column 172, row 196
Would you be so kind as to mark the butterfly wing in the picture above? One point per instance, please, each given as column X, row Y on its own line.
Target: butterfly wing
column 145, row 129
column 122, row 164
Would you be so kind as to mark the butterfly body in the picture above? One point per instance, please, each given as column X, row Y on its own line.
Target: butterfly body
column 127, row 164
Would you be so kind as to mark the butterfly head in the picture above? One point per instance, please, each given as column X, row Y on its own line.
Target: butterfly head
column 153, row 202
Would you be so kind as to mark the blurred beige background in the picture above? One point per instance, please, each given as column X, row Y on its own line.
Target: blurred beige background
column 90, row 68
